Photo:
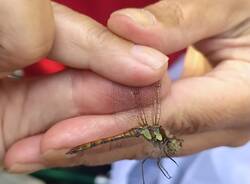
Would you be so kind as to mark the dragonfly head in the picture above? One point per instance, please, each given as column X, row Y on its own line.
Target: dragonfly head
column 173, row 146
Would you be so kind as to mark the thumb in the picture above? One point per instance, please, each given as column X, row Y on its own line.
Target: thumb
column 174, row 24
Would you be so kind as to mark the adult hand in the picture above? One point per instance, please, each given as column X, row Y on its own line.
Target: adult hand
column 213, row 109
column 206, row 111
column 30, row 31
column 30, row 107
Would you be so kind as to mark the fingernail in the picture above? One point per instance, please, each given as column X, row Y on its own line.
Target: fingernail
column 140, row 16
column 25, row 168
column 150, row 57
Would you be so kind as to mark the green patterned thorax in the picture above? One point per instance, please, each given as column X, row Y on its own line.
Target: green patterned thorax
column 158, row 135
column 152, row 133
column 146, row 134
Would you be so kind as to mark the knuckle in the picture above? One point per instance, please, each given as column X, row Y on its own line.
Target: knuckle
column 96, row 36
column 185, row 124
column 173, row 16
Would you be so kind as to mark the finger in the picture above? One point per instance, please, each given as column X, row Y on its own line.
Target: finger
column 195, row 143
column 16, row 159
column 211, row 46
column 173, row 25
column 69, row 133
column 49, row 150
column 71, row 93
column 195, row 64
column 194, row 107
column 27, row 32
column 83, row 43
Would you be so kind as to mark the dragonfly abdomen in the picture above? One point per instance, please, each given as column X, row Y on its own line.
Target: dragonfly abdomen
column 131, row 133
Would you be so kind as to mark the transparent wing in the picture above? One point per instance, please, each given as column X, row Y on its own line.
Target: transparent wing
column 147, row 102
column 144, row 101
column 156, row 113
column 141, row 116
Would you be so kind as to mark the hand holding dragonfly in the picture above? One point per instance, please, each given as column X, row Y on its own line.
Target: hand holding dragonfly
column 31, row 30
column 205, row 111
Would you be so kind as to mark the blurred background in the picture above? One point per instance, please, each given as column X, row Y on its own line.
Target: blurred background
column 74, row 175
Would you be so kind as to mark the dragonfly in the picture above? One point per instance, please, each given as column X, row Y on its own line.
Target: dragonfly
column 148, row 128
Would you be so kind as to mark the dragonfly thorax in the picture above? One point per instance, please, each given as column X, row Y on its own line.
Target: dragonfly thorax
column 153, row 133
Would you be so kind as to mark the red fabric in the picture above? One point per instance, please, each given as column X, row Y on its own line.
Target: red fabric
column 101, row 9
column 97, row 9
column 43, row 67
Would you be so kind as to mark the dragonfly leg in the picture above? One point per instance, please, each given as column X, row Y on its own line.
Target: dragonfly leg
column 168, row 156
column 142, row 170
column 163, row 170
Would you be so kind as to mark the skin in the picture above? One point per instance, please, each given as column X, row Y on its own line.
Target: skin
column 75, row 40
column 20, row 43
column 206, row 111
column 25, row 108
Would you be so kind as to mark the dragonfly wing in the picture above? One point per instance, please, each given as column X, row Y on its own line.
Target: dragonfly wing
column 145, row 101
column 141, row 116
column 148, row 104
column 156, row 113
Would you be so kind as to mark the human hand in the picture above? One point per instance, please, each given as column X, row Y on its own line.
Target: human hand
column 31, row 106
column 206, row 111
column 32, row 30
column 210, row 110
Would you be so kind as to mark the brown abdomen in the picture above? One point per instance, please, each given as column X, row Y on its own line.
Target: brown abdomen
column 131, row 133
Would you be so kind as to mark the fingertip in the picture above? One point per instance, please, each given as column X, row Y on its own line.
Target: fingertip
column 138, row 75
column 24, row 156
column 138, row 66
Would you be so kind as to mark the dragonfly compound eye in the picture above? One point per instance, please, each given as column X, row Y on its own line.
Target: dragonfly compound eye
column 174, row 145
